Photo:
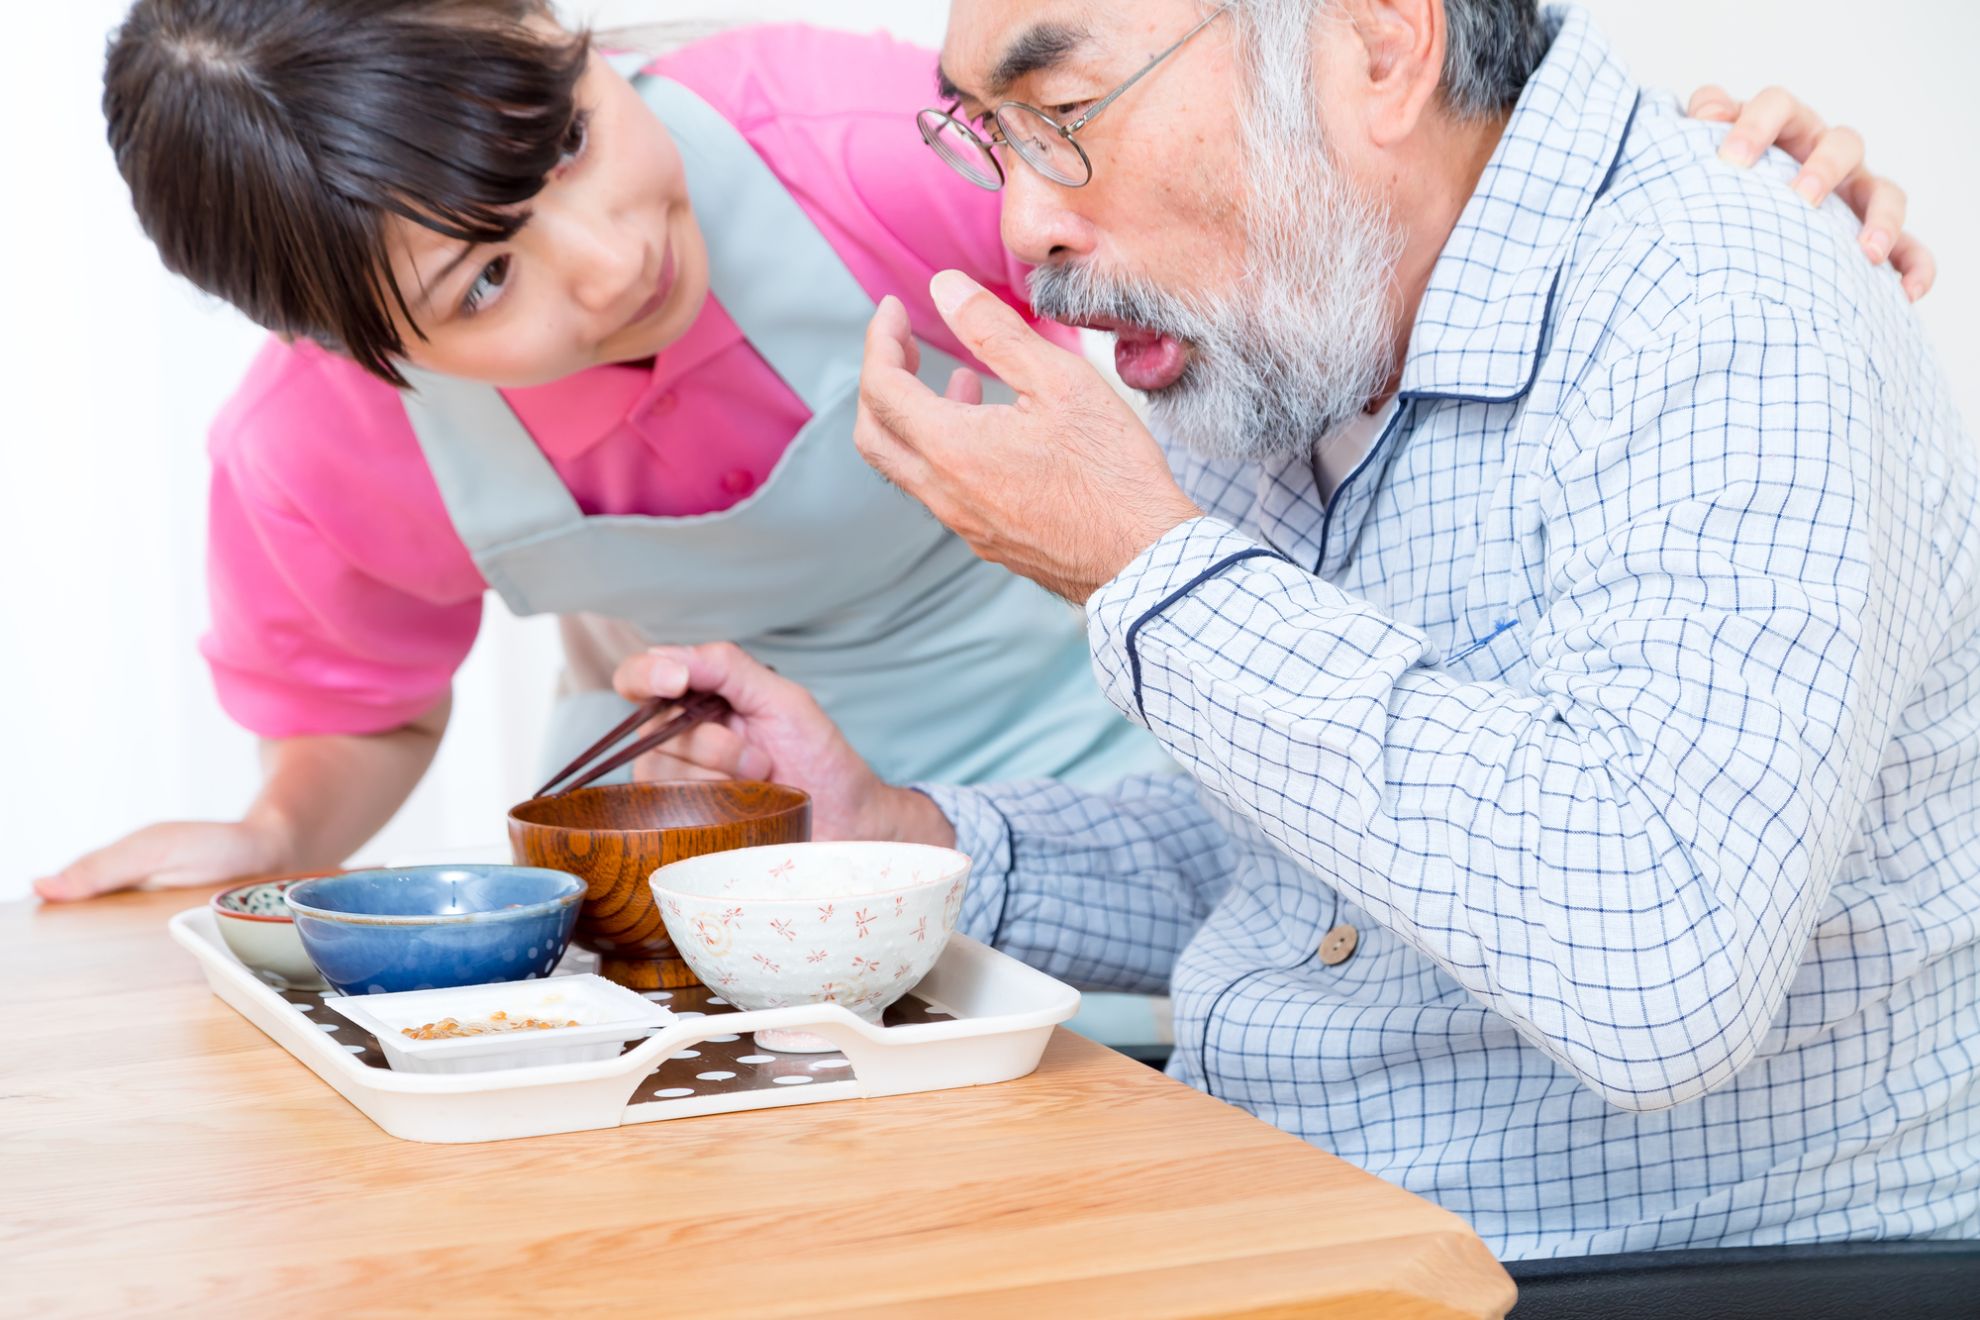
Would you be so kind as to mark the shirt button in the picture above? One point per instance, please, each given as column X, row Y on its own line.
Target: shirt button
column 661, row 406
column 1338, row 945
column 738, row 482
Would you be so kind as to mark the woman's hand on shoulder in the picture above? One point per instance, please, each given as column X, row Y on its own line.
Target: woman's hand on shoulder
column 1832, row 161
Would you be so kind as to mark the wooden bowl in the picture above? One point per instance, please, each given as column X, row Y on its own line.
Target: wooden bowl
column 616, row 836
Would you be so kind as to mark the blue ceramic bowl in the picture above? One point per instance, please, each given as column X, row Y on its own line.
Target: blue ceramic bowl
column 430, row 927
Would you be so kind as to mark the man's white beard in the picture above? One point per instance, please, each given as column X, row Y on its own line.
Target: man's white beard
column 1306, row 340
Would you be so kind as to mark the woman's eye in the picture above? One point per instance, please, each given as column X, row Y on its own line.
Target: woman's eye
column 1070, row 110
column 575, row 139
column 487, row 286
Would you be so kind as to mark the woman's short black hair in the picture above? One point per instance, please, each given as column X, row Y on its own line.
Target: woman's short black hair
column 267, row 144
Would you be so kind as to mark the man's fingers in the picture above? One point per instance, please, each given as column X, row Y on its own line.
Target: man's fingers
column 888, row 385
column 660, row 768
column 707, row 751
column 996, row 334
column 898, row 413
column 965, row 386
column 725, row 669
column 888, row 454
column 897, row 410
column 721, row 748
column 888, row 422
column 903, row 425
column 890, row 338
column 641, row 678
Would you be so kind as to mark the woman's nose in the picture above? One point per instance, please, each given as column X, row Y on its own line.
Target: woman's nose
column 603, row 261
column 1039, row 223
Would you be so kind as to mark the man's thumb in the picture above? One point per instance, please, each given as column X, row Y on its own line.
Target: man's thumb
column 989, row 328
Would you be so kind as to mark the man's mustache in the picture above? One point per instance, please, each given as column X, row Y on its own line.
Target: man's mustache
column 1074, row 293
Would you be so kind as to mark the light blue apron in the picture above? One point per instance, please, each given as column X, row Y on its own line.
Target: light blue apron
column 937, row 665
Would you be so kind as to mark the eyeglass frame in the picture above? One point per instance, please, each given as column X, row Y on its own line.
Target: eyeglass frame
column 1065, row 131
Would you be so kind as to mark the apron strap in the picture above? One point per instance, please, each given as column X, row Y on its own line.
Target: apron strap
column 628, row 63
column 497, row 485
column 783, row 285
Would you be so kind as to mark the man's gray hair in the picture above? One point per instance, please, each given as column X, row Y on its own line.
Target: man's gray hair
column 1492, row 48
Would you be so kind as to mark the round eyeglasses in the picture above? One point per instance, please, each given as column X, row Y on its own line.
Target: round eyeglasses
column 1039, row 140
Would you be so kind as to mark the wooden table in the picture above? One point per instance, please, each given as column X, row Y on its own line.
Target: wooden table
column 157, row 1151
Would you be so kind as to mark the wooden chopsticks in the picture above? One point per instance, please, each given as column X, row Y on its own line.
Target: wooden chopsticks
column 695, row 708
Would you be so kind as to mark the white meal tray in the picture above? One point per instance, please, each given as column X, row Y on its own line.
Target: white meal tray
column 980, row 1017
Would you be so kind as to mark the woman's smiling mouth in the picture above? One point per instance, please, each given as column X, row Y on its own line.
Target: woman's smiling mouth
column 669, row 276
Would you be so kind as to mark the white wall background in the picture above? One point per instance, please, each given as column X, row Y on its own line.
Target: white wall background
column 111, row 370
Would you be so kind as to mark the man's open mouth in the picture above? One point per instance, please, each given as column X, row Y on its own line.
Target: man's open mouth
column 1148, row 360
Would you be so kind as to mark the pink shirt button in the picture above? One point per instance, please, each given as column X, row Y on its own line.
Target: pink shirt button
column 738, row 482
column 661, row 406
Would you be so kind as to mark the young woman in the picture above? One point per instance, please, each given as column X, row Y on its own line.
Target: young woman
column 590, row 343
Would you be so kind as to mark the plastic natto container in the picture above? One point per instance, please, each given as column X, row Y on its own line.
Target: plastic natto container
column 607, row 1015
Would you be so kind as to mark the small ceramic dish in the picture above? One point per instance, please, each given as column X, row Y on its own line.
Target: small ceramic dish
column 607, row 1016
column 853, row 924
column 257, row 925
column 432, row 927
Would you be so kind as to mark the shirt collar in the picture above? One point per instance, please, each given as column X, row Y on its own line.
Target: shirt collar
column 1482, row 322
column 569, row 418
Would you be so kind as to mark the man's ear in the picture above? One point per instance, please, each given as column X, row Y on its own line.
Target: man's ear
column 1397, row 50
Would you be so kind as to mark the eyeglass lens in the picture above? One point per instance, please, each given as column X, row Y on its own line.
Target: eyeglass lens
column 956, row 143
column 1044, row 147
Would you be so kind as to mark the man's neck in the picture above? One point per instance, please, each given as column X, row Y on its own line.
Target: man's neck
column 1432, row 181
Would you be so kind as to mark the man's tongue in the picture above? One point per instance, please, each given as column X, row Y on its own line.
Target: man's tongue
column 1148, row 361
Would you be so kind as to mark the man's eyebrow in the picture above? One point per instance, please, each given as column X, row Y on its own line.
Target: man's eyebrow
column 1042, row 47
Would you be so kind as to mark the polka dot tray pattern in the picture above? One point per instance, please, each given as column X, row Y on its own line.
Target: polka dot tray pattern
column 722, row 1064
column 978, row 1018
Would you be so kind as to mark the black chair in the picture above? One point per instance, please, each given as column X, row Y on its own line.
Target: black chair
column 1834, row 1281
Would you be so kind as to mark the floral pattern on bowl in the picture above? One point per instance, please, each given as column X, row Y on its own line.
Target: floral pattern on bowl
column 262, row 900
column 255, row 923
column 854, row 924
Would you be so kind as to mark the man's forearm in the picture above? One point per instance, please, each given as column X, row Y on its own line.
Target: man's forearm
column 1102, row 889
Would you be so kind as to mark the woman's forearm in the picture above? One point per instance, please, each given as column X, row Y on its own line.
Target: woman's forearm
column 323, row 797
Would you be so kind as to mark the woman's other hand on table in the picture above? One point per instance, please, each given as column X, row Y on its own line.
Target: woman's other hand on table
column 173, row 855
column 1831, row 162
column 777, row 732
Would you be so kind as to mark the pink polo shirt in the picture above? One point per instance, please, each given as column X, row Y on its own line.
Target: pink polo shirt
column 343, row 601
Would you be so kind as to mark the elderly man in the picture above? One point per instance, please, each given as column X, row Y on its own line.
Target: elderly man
column 1562, row 596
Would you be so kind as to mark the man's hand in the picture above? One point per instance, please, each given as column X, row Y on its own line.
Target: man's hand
column 777, row 732
column 1831, row 162
column 1065, row 486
